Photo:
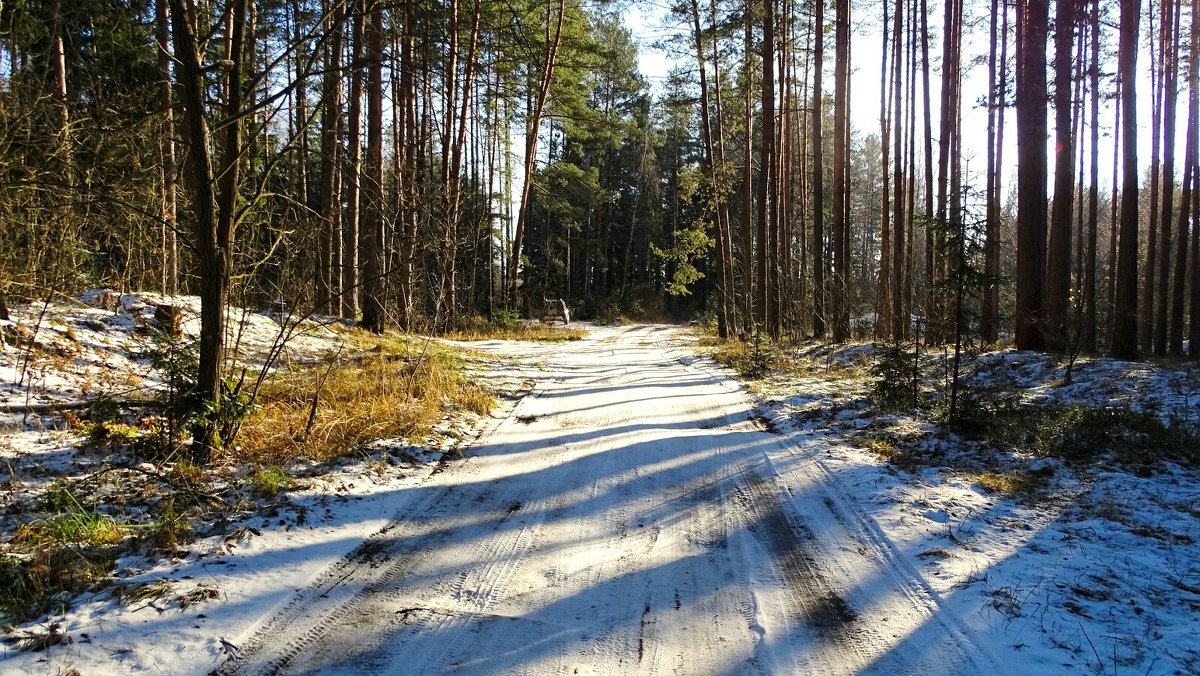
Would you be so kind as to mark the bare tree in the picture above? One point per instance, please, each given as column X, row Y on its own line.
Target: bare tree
column 167, row 240
column 214, row 199
column 532, row 129
column 331, row 156
column 818, row 179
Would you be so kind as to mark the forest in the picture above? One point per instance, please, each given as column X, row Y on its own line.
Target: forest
column 428, row 164
column 888, row 361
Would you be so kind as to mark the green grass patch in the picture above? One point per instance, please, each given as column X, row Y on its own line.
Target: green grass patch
column 268, row 482
column 53, row 558
column 109, row 434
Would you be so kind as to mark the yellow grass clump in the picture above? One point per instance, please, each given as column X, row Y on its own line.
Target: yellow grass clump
column 401, row 387
column 1019, row 484
column 534, row 332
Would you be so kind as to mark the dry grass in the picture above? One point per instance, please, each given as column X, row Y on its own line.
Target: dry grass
column 400, row 387
column 728, row 352
column 541, row 333
column 883, row 448
column 858, row 369
column 752, row 359
column 1022, row 485
column 68, row 545
column 65, row 540
column 899, row 445
column 51, row 559
column 774, row 358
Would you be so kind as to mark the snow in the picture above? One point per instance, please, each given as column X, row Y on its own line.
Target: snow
column 1102, row 575
column 277, row 549
column 640, row 511
column 100, row 345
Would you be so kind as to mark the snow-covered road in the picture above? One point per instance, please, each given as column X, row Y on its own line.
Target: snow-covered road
column 632, row 514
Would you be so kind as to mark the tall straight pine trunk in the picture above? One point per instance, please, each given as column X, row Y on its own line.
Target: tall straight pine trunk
column 1125, row 311
column 1032, row 19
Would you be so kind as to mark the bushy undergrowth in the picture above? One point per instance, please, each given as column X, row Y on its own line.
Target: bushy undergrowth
column 642, row 304
column 753, row 358
column 1074, row 432
column 1004, row 419
column 894, row 371
column 1082, row 433
column 610, row 314
column 183, row 411
column 67, row 539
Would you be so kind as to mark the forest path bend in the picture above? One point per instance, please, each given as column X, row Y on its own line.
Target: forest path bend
column 628, row 516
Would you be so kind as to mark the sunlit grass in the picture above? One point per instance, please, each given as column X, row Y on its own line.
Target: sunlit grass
column 754, row 357
column 269, row 482
column 45, row 578
column 52, row 558
column 82, row 526
column 400, row 387
column 1022, row 485
column 541, row 333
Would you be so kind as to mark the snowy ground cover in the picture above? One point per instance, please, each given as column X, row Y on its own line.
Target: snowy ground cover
column 100, row 343
column 173, row 604
column 1051, row 565
column 1090, row 567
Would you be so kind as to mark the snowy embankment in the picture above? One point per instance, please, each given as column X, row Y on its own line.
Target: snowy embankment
column 181, row 610
column 1090, row 567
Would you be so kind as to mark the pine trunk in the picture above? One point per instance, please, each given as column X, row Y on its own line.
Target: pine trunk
column 1058, row 254
column 818, row 176
column 1032, row 19
column 1125, row 320
column 371, row 229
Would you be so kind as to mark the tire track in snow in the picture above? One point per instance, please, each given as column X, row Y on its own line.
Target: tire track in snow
column 813, row 605
column 348, row 587
column 627, row 518
column 856, row 624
